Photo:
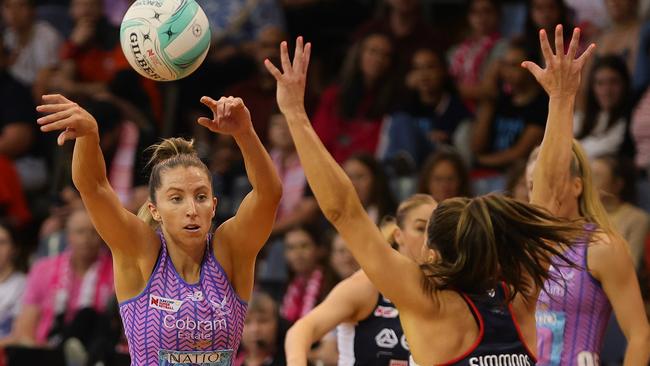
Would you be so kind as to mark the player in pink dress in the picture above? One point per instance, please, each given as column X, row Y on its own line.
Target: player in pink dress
column 182, row 287
column 574, row 308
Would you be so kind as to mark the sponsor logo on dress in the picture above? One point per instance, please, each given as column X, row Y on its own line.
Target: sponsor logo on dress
column 195, row 296
column 386, row 312
column 220, row 308
column 386, row 338
column 162, row 303
column 207, row 358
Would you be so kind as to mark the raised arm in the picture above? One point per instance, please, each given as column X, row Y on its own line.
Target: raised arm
column 334, row 191
column 344, row 304
column 244, row 235
column 127, row 236
column 561, row 80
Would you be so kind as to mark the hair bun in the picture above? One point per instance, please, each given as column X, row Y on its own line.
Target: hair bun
column 170, row 147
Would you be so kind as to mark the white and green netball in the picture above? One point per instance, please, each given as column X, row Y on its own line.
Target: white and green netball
column 165, row 40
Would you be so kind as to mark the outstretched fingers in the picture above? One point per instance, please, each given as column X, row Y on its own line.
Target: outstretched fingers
column 307, row 57
column 586, row 55
column 534, row 68
column 546, row 47
column 559, row 40
column 284, row 57
column 277, row 74
column 55, row 98
column 298, row 55
column 573, row 46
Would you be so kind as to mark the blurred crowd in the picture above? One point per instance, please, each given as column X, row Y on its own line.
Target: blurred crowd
column 409, row 96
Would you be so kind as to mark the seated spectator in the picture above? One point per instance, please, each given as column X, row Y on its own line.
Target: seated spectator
column 12, row 281
column 310, row 278
column 507, row 129
column 91, row 56
column 259, row 90
column 341, row 260
column 76, row 283
column 615, row 179
column 18, row 130
column 348, row 117
column 371, row 185
column 444, row 175
column 52, row 236
column 262, row 342
column 404, row 22
column 32, row 45
column 622, row 36
column 229, row 181
column 294, row 208
column 602, row 127
column 236, row 24
column 546, row 14
column 473, row 61
column 430, row 116
column 590, row 16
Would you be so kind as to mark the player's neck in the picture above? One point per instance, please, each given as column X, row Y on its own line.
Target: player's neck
column 186, row 259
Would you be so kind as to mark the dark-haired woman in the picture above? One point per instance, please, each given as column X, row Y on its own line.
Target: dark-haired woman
column 445, row 175
column 601, row 128
column 310, row 277
column 349, row 114
column 182, row 287
column 474, row 302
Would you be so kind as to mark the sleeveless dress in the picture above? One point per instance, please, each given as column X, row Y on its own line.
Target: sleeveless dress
column 499, row 342
column 377, row 340
column 175, row 323
column 572, row 312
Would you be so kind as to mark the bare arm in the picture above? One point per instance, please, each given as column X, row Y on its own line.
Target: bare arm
column 344, row 304
column 560, row 79
column 529, row 138
column 334, row 192
column 612, row 265
column 245, row 233
column 103, row 205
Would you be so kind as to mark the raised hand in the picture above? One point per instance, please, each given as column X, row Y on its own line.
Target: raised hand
column 229, row 116
column 291, row 82
column 64, row 114
column 561, row 77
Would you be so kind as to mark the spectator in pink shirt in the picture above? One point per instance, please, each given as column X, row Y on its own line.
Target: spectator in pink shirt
column 60, row 287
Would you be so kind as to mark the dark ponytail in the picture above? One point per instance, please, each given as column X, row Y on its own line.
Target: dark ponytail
column 489, row 239
column 170, row 153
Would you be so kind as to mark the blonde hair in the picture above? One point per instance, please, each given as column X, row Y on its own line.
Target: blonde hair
column 389, row 224
column 590, row 206
column 168, row 154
